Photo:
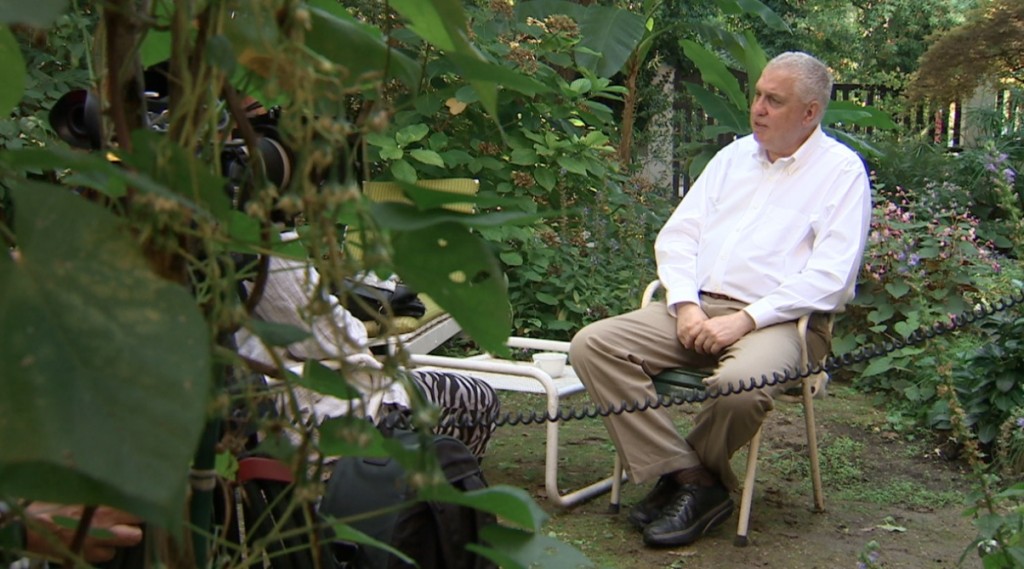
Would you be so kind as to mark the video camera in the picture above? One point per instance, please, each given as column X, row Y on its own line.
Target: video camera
column 76, row 118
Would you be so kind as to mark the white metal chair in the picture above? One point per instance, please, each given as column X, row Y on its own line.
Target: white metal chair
column 676, row 381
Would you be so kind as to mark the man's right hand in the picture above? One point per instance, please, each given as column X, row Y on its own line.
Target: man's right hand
column 689, row 321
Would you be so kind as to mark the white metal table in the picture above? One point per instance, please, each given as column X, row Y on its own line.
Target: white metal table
column 524, row 377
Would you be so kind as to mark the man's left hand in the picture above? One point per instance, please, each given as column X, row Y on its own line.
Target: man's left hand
column 720, row 332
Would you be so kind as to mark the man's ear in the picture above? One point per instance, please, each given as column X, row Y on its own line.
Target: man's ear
column 813, row 112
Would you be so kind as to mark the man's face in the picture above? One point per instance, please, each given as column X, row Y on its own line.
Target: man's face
column 780, row 120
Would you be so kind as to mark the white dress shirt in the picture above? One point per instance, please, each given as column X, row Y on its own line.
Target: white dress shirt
column 785, row 237
column 335, row 334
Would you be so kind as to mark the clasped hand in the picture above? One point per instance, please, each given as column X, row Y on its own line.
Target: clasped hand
column 704, row 335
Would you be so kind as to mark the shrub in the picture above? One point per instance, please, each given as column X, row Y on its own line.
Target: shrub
column 923, row 263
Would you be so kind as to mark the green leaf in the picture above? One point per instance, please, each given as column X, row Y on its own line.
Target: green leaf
column 89, row 170
column 412, row 133
column 720, row 109
column 427, row 157
column 511, row 258
column 114, row 361
column 322, row 379
column 904, row 328
column 443, row 23
column 485, row 73
column 877, row 366
column 512, row 504
column 574, row 165
column 881, row 314
column 12, row 69
column 756, row 8
column 350, row 435
column 1006, row 382
column 219, row 53
column 612, row 32
column 897, row 289
column 523, row 157
column 580, row 86
column 275, row 333
column 364, row 53
column 392, row 153
column 545, row 177
column 715, row 73
column 547, row 299
column 344, row 532
column 404, row 217
column 179, row 170
column 458, row 271
column 512, row 547
column 37, row 13
column 403, row 171
column 440, row 22
column 156, row 47
column 608, row 35
column 855, row 113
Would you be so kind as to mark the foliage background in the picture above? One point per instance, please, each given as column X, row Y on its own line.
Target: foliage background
column 569, row 216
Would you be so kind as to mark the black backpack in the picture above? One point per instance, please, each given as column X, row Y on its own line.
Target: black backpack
column 433, row 534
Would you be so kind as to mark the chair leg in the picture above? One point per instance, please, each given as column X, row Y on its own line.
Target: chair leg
column 615, row 502
column 812, row 448
column 748, row 491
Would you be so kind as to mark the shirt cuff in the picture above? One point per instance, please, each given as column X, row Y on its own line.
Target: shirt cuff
column 760, row 312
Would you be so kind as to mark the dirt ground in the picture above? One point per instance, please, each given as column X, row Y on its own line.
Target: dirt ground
column 906, row 495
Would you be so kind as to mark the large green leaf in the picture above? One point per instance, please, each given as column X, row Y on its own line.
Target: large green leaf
column 440, row 22
column 516, row 549
column 852, row 112
column 611, row 32
column 512, row 504
column 104, row 368
column 358, row 48
column 403, row 217
column 12, row 69
column 755, row 8
column 608, row 36
column 719, row 108
column 458, row 270
column 179, row 170
column 36, row 13
column 715, row 73
column 443, row 23
column 474, row 69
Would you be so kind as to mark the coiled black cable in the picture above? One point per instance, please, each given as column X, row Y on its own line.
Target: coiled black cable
column 832, row 364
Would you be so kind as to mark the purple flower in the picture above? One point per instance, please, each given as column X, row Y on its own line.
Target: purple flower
column 1009, row 175
column 1020, row 422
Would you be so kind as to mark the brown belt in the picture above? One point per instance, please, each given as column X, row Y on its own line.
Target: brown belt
column 717, row 296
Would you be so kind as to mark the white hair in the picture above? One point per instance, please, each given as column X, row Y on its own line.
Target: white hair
column 813, row 79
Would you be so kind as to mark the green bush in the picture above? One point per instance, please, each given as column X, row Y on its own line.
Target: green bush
column 924, row 262
column 990, row 380
column 553, row 156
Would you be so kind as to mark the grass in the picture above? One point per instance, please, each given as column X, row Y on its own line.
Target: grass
column 874, row 480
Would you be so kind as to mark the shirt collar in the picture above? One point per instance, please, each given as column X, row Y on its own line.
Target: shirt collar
column 798, row 158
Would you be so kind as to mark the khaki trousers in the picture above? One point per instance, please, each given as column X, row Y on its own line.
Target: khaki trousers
column 616, row 358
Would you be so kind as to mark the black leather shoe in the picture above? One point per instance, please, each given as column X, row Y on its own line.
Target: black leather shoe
column 649, row 509
column 694, row 511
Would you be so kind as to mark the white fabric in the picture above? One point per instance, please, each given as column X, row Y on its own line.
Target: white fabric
column 291, row 296
column 786, row 237
column 370, row 278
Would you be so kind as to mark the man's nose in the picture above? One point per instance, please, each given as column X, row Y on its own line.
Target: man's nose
column 757, row 107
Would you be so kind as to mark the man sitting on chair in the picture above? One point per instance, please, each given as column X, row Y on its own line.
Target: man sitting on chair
column 773, row 229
